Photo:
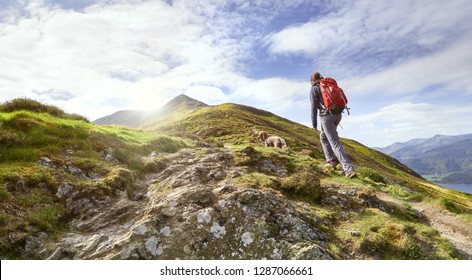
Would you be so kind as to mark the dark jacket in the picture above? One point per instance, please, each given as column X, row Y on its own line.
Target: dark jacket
column 316, row 104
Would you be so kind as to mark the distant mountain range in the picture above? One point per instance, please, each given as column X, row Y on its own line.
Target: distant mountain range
column 446, row 159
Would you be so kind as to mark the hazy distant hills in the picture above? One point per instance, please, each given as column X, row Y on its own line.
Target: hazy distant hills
column 130, row 118
column 135, row 118
column 448, row 158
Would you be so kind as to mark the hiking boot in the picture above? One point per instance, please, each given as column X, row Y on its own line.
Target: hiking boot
column 351, row 175
column 332, row 164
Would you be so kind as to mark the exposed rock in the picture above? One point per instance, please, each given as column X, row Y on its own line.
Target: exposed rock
column 107, row 154
column 74, row 171
column 138, row 196
column 351, row 198
column 46, row 162
column 197, row 212
column 17, row 186
column 34, row 245
column 64, row 190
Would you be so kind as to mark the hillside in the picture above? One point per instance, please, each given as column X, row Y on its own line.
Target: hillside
column 446, row 159
column 200, row 185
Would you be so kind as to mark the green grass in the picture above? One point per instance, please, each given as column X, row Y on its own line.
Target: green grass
column 388, row 237
column 4, row 194
column 304, row 183
column 256, row 180
column 48, row 218
column 27, row 104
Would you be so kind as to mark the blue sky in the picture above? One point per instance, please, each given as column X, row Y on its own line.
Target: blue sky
column 406, row 66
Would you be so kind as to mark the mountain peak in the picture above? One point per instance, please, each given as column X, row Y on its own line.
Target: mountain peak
column 135, row 118
column 182, row 101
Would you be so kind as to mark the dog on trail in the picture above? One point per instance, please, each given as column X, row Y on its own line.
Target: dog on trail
column 263, row 135
column 272, row 141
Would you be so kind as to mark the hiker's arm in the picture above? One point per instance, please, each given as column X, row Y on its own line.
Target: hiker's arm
column 314, row 107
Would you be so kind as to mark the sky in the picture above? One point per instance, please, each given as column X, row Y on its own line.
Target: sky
column 405, row 66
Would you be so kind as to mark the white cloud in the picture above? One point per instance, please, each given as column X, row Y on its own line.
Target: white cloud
column 277, row 95
column 404, row 121
column 367, row 36
column 55, row 94
column 449, row 68
column 128, row 52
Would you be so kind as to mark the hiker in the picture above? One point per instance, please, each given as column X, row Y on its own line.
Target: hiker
column 330, row 119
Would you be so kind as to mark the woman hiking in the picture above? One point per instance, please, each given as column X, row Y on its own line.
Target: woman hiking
column 330, row 142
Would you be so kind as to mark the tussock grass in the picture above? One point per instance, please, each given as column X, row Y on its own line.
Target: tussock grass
column 303, row 183
column 392, row 238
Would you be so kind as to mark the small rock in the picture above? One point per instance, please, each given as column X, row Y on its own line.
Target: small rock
column 153, row 155
column 33, row 246
column 165, row 231
column 354, row 233
column 151, row 246
column 247, row 239
column 138, row 196
column 140, row 229
column 204, row 216
column 218, row 230
column 64, row 190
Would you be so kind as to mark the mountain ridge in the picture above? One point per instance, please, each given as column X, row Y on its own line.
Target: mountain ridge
column 442, row 158
column 419, row 145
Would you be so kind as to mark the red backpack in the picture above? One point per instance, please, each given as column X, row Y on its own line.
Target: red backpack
column 334, row 99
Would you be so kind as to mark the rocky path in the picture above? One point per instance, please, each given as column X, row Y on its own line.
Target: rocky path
column 194, row 209
column 448, row 225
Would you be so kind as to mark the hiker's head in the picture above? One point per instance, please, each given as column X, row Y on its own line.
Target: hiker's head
column 315, row 77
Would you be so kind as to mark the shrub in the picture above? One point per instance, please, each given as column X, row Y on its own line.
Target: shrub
column 119, row 179
column 451, row 206
column 152, row 165
column 48, row 218
column 5, row 219
column 412, row 250
column 4, row 194
column 31, row 105
column 9, row 138
column 305, row 182
column 371, row 175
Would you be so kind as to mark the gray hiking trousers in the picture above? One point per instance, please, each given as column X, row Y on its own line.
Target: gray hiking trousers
column 331, row 143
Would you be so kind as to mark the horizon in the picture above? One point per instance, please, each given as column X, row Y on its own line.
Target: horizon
column 406, row 75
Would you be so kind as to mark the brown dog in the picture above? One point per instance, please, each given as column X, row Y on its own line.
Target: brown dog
column 272, row 141
column 263, row 135
column 276, row 142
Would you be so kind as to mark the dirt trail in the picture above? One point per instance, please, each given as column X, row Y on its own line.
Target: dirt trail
column 449, row 226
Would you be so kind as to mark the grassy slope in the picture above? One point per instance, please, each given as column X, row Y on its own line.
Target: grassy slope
column 398, row 235
column 28, row 189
